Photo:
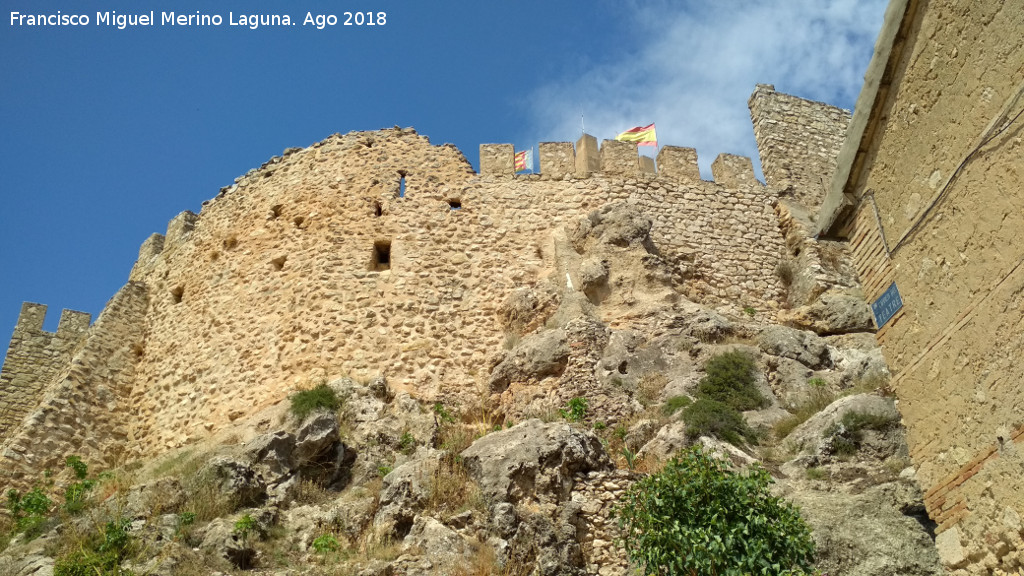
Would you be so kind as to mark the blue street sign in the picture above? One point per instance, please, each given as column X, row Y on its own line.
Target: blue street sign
column 887, row 305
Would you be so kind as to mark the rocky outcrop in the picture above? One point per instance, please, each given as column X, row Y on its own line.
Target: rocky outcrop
column 536, row 356
column 832, row 313
column 533, row 459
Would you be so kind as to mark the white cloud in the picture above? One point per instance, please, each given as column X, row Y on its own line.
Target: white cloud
column 694, row 75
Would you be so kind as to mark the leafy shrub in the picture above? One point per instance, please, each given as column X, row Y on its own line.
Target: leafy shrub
column 407, row 443
column 99, row 556
column 304, row 402
column 325, row 543
column 76, row 495
column 698, row 517
column 575, row 410
column 245, row 527
column 29, row 511
column 712, row 418
column 731, row 379
column 675, row 404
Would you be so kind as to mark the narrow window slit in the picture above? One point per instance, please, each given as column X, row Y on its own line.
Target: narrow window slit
column 381, row 259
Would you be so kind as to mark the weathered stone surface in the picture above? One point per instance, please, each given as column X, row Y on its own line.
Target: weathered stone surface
column 221, row 539
column 805, row 347
column 533, row 458
column 536, row 356
column 618, row 224
column 831, row 314
column 405, row 490
column 444, row 546
column 809, row 435
column 869, row 534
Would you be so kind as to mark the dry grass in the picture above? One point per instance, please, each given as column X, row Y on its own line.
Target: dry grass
column 484, row 562
column 451, row 490
column 649, row 387
column 819, row 398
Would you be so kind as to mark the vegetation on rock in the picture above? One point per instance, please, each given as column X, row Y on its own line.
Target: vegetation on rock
column 304, row 402
column 698, row 516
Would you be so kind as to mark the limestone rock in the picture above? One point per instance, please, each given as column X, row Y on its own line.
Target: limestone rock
column 875, row 533
column 533, row 458
column 831, row 314
column 666, row 443
column 221, row 539
column 440, row 543
column 536, row 356
column 156, row 497
column 238, row 481
column 808, row 436
column 405, row 490
column 805, row 347
column 319, row 453
column 618, row 224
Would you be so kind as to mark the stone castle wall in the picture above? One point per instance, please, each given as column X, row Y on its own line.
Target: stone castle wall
column 33, row 359
column 374, row 253
column 798, row 141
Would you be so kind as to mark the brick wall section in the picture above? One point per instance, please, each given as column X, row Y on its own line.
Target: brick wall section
column 598, row 493
column 798, row 141
column 83, row 411
column 33, row 359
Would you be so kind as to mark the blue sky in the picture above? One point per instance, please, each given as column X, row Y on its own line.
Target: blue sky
column 106, row 134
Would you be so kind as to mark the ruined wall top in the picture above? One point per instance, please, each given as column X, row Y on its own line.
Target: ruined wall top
column 798, row 141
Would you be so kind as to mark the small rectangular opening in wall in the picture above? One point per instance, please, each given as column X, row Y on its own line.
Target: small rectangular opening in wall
column 176, row 293
column 381, row 256
column 401, row 183
column 455, row 204
column 378, row 209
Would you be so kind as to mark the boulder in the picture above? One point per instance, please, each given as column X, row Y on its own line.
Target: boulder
column 406, row 489
column 319, row 454
column 805, row 347
column 536, row 356
column 831, row 314
column 237, row 481
column 808, row 437
column 533, row 458
column 668, row 441
column 878, row 532
column 221, row 539
column 440, row 543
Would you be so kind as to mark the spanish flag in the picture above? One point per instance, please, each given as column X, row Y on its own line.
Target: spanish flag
column 524, row 160
column 642, row 135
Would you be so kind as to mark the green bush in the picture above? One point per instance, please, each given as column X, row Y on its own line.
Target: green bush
column 101, row 556
column 325, row 543
column 76, row 495
column 305, row 402
column 698, row 517
column 29, row 511
column 575, row 410
column 731, row 378
column 675, row 404
column 712, row 418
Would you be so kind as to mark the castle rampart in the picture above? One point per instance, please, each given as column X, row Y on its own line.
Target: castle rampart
column 33, row 359
column 376, row 252
column 798, row 141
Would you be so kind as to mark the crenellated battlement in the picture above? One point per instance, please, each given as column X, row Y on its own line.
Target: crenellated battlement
column 369, row 249
column 34, row 357
column 615, row 158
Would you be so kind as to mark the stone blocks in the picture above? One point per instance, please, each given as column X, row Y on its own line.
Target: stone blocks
column 587, row 160
column 557, row 159
column 733, row 171
column 497, row 159
column 678, row 163
column 619, row 158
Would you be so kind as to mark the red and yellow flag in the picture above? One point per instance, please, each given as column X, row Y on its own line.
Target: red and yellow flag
column 642, row 135
column 524, row 160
